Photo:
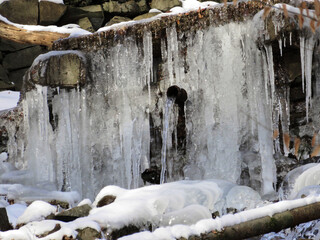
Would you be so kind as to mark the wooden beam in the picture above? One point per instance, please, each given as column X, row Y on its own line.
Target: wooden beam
column 263, row 225
column 20, row 35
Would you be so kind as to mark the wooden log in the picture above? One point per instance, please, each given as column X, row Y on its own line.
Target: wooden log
column 20, row 35
column 276, row 223
column 4, row 221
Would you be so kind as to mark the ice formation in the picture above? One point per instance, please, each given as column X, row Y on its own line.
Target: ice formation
column 102, row 131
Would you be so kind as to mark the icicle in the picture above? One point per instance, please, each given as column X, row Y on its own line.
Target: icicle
column 302, row 60
column 308, row 53
column 284, row 41
column 148, row 60
column 270, row 70
column 166, row 118
column 280, row 46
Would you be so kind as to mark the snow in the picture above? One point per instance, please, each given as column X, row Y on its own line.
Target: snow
column 8, row 99
column 45, row 56
column 72, row 29
column 37, row 210
column 207, row 225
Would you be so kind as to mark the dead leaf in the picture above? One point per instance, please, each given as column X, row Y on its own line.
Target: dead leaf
column 317, row 8
column 286, row 140
column 312, row 26
column 315, row 151
column 285, row 10
column 275, row 134
column 301, row 19
column 266, row 12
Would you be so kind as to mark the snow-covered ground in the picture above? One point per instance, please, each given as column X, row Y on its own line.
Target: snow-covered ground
column 8, row 99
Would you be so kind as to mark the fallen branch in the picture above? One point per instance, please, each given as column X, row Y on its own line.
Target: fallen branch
column 267, row 224
column 20, row 35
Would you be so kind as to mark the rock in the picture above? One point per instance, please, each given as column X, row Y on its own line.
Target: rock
column 65, row 70
column 4, row 221
column 117, row 19
column 50, row 12
column 73, row 213
column 20, row 11
column 22, row 58
column 151, row 175
column 106, row 200
column 3, row 74
column 165, row 5
column 146, row 15
column 94, row 13
column 77, row 3
column 88, row 234
column 80, row 211
column 56, row 228
column 1, row 56
column 62, row 204
column 129, row 8
column 85, row 24
column 11, row 46
column 127, row 230
column 16, row 77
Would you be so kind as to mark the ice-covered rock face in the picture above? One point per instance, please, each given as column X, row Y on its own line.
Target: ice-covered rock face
column 109, row 131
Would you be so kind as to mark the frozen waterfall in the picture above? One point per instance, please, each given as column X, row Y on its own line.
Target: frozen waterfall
column 105, row 132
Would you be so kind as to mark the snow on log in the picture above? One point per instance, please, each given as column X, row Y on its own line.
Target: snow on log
column 20, row 35
column 267, row 224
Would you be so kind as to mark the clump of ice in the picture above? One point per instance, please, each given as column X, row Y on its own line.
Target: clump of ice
column 299, row 178
column 36, row 211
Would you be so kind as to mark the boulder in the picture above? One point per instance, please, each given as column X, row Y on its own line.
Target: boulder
column 106, row 200
column 128, row 8
column 20, row 11
column 3, row 74
column 22, row 58
column 146, row 15
column 77, row 3
column 50, row 12
column 117, row 19
column 85, row 24
column 165, row 5
column 94, row 13
column 16, row 77
column 4, row 221
column 76, row 212
column 63, row 70
column 88, row 234
column 11, row 46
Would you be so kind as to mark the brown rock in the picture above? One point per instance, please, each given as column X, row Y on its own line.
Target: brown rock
column 117, row 19
column 106, row 200
column 22, row 58
column 20, row 11
column 50, row 12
